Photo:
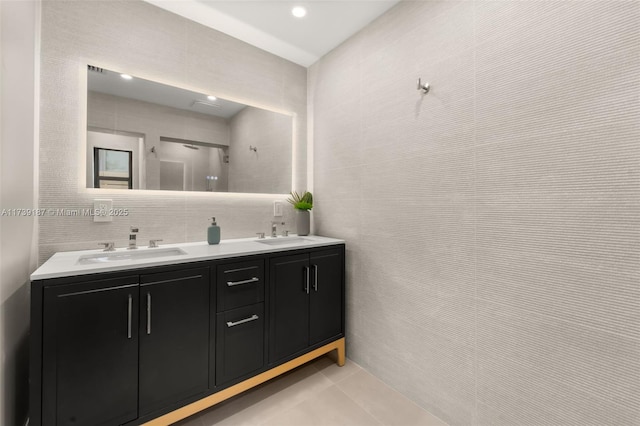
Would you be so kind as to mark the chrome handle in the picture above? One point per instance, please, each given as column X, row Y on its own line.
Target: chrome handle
column 148, row 313
column 110, row 246
column 306, row 284
column 129, row 310
column 315, row 278
column 251, row 280
column 154, row 243
column 251, row 318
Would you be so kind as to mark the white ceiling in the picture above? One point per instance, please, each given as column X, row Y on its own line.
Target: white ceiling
column 269, row 24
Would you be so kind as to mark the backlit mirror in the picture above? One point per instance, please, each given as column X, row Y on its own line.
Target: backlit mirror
column 146, row 135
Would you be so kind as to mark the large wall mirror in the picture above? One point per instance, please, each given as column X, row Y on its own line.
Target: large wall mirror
column 146, row 135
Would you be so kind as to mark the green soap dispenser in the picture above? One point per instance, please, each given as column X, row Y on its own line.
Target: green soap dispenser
column 213, row 233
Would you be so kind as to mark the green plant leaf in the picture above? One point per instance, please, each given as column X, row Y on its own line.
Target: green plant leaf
column 301, row 202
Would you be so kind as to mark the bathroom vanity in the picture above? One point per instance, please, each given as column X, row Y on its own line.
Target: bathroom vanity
column 151, row 336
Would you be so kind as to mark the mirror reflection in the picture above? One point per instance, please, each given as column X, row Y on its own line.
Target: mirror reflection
column 146, row 135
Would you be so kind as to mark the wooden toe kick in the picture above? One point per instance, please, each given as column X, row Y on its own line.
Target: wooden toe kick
column 181, row 413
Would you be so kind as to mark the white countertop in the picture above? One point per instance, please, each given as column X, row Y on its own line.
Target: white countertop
column 65, row 264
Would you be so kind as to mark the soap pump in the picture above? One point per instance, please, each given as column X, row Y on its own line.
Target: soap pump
column 213, row 233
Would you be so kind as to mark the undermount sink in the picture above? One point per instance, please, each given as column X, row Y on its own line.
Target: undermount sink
column 283, row 241
column 116, row 256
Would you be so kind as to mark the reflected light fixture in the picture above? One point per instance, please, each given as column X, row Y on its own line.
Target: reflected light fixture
column 211, row 98
column 126, row 76
column 299, row 12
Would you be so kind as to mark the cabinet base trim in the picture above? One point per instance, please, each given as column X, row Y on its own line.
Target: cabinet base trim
column 223, row 395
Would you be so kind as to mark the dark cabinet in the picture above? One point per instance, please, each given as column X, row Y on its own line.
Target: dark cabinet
column 307, row 301
column 239, row 284
column 90, row 353
column 115, row 350
column 239, row 342
column 174, row 337
column 127, row 347
column 326, row 301
column 240, row 323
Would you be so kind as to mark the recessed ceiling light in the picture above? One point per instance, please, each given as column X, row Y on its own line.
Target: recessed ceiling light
column 126, row 76
column 211, row 98
column 299, row 12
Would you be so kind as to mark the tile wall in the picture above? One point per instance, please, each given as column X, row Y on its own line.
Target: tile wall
column 143, row 40
column 269, row 165
column 493, row 225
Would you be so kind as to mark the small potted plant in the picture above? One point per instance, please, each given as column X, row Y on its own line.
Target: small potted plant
column 303, row 204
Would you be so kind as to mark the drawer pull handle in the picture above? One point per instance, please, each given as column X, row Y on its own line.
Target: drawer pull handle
column 251, row 318
column 251, row 280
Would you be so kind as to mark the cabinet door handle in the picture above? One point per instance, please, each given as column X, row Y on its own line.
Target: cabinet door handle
column 251, row 318
column 129, row 316
column 250, row 280
column 148, row 313
column 315, row 277
column 306, row 283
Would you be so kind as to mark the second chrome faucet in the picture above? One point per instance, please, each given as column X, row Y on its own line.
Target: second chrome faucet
column 133, row 242
column 274, row 229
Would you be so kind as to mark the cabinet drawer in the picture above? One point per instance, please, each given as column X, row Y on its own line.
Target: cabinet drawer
column 239, row 342
column 239, row 284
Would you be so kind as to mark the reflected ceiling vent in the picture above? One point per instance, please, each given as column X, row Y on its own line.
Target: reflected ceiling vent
column 95, row 69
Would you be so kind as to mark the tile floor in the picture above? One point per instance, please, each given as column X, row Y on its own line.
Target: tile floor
column 318, row 393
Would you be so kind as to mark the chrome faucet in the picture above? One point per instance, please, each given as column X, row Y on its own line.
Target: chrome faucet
column 133, row 244
column 274, row 230
column 110, row 246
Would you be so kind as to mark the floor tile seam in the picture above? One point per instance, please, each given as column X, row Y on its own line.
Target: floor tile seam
column 392, row 389
column 357, row 404
column 312, row 398
column 266, row 401
column 335, row 382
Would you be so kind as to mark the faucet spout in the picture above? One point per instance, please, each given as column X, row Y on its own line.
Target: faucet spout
column 133, row 243
column 274, row 230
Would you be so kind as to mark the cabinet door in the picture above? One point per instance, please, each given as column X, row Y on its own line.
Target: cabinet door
column 174, row 337
column 289, row 305
column 240, row 342
column 326, row 302
column 90, row 353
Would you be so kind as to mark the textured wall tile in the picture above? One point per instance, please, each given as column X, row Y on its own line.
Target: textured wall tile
column 147, row 41
column 496, row 18
column 595, row 362
column 604, row 297
column 497, row 244
column 487, row 416
column 521, row 394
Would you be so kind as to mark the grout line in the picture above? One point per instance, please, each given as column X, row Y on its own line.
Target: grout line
column 395, row 391
column 333, row 364
column 345, row 396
